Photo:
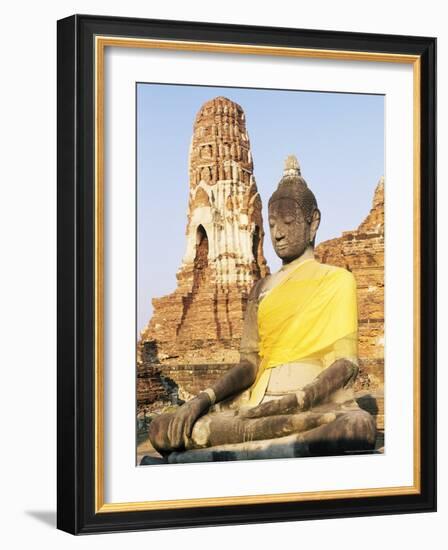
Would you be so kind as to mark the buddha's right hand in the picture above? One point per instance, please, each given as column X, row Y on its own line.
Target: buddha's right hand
column 292, row 402
column 182, row 422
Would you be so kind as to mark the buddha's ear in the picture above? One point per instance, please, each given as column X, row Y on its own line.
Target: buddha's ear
column 315, row 222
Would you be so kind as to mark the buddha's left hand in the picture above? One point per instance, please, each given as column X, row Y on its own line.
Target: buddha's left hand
column 293, row 402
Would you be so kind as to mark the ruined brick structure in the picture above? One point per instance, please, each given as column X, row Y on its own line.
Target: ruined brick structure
column 194, row 334
column 201, row 321
column 362, row 252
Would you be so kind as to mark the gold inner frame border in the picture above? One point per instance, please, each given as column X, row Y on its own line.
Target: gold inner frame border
column 101, row 42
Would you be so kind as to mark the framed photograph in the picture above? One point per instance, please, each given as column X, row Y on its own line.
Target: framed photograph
column 246, row 274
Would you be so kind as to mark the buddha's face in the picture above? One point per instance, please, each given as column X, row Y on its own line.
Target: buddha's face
column 291, row 233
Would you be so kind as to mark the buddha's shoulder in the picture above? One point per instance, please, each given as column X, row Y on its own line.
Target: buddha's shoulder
column 335, row 272
column 259, row 287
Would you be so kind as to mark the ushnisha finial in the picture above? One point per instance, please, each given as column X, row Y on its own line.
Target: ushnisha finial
column 292, row 166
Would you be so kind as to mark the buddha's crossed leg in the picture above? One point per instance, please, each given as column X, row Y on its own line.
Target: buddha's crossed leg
column 279, row 426
column 222, row 436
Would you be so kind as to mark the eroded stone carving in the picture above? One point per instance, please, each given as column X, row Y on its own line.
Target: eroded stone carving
column 291, row 393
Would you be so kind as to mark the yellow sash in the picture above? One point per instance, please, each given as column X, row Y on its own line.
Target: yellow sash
column 311, row 313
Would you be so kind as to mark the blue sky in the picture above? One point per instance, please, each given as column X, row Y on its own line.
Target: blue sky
column 337, row 138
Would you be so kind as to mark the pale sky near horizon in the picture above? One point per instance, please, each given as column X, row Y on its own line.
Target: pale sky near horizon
column 338, row 139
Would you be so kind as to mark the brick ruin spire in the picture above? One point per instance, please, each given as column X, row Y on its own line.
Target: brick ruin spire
column 201, row 321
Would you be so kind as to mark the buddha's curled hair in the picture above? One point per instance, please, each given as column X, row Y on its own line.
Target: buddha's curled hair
column 292, row 186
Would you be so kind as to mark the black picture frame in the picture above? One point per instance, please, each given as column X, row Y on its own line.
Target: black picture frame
column 77, row 512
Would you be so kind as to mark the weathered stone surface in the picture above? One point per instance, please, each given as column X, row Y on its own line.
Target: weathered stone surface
column 361, row 251
column 200, row 323
column 373, row 403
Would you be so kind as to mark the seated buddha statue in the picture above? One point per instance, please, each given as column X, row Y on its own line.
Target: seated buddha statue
column 291, row 394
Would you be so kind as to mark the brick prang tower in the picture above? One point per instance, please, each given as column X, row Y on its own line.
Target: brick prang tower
column 200, row 323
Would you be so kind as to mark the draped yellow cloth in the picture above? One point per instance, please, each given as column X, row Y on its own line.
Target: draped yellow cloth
column 309, row 314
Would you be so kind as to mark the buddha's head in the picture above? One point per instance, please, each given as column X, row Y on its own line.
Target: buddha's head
column 293, row 214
